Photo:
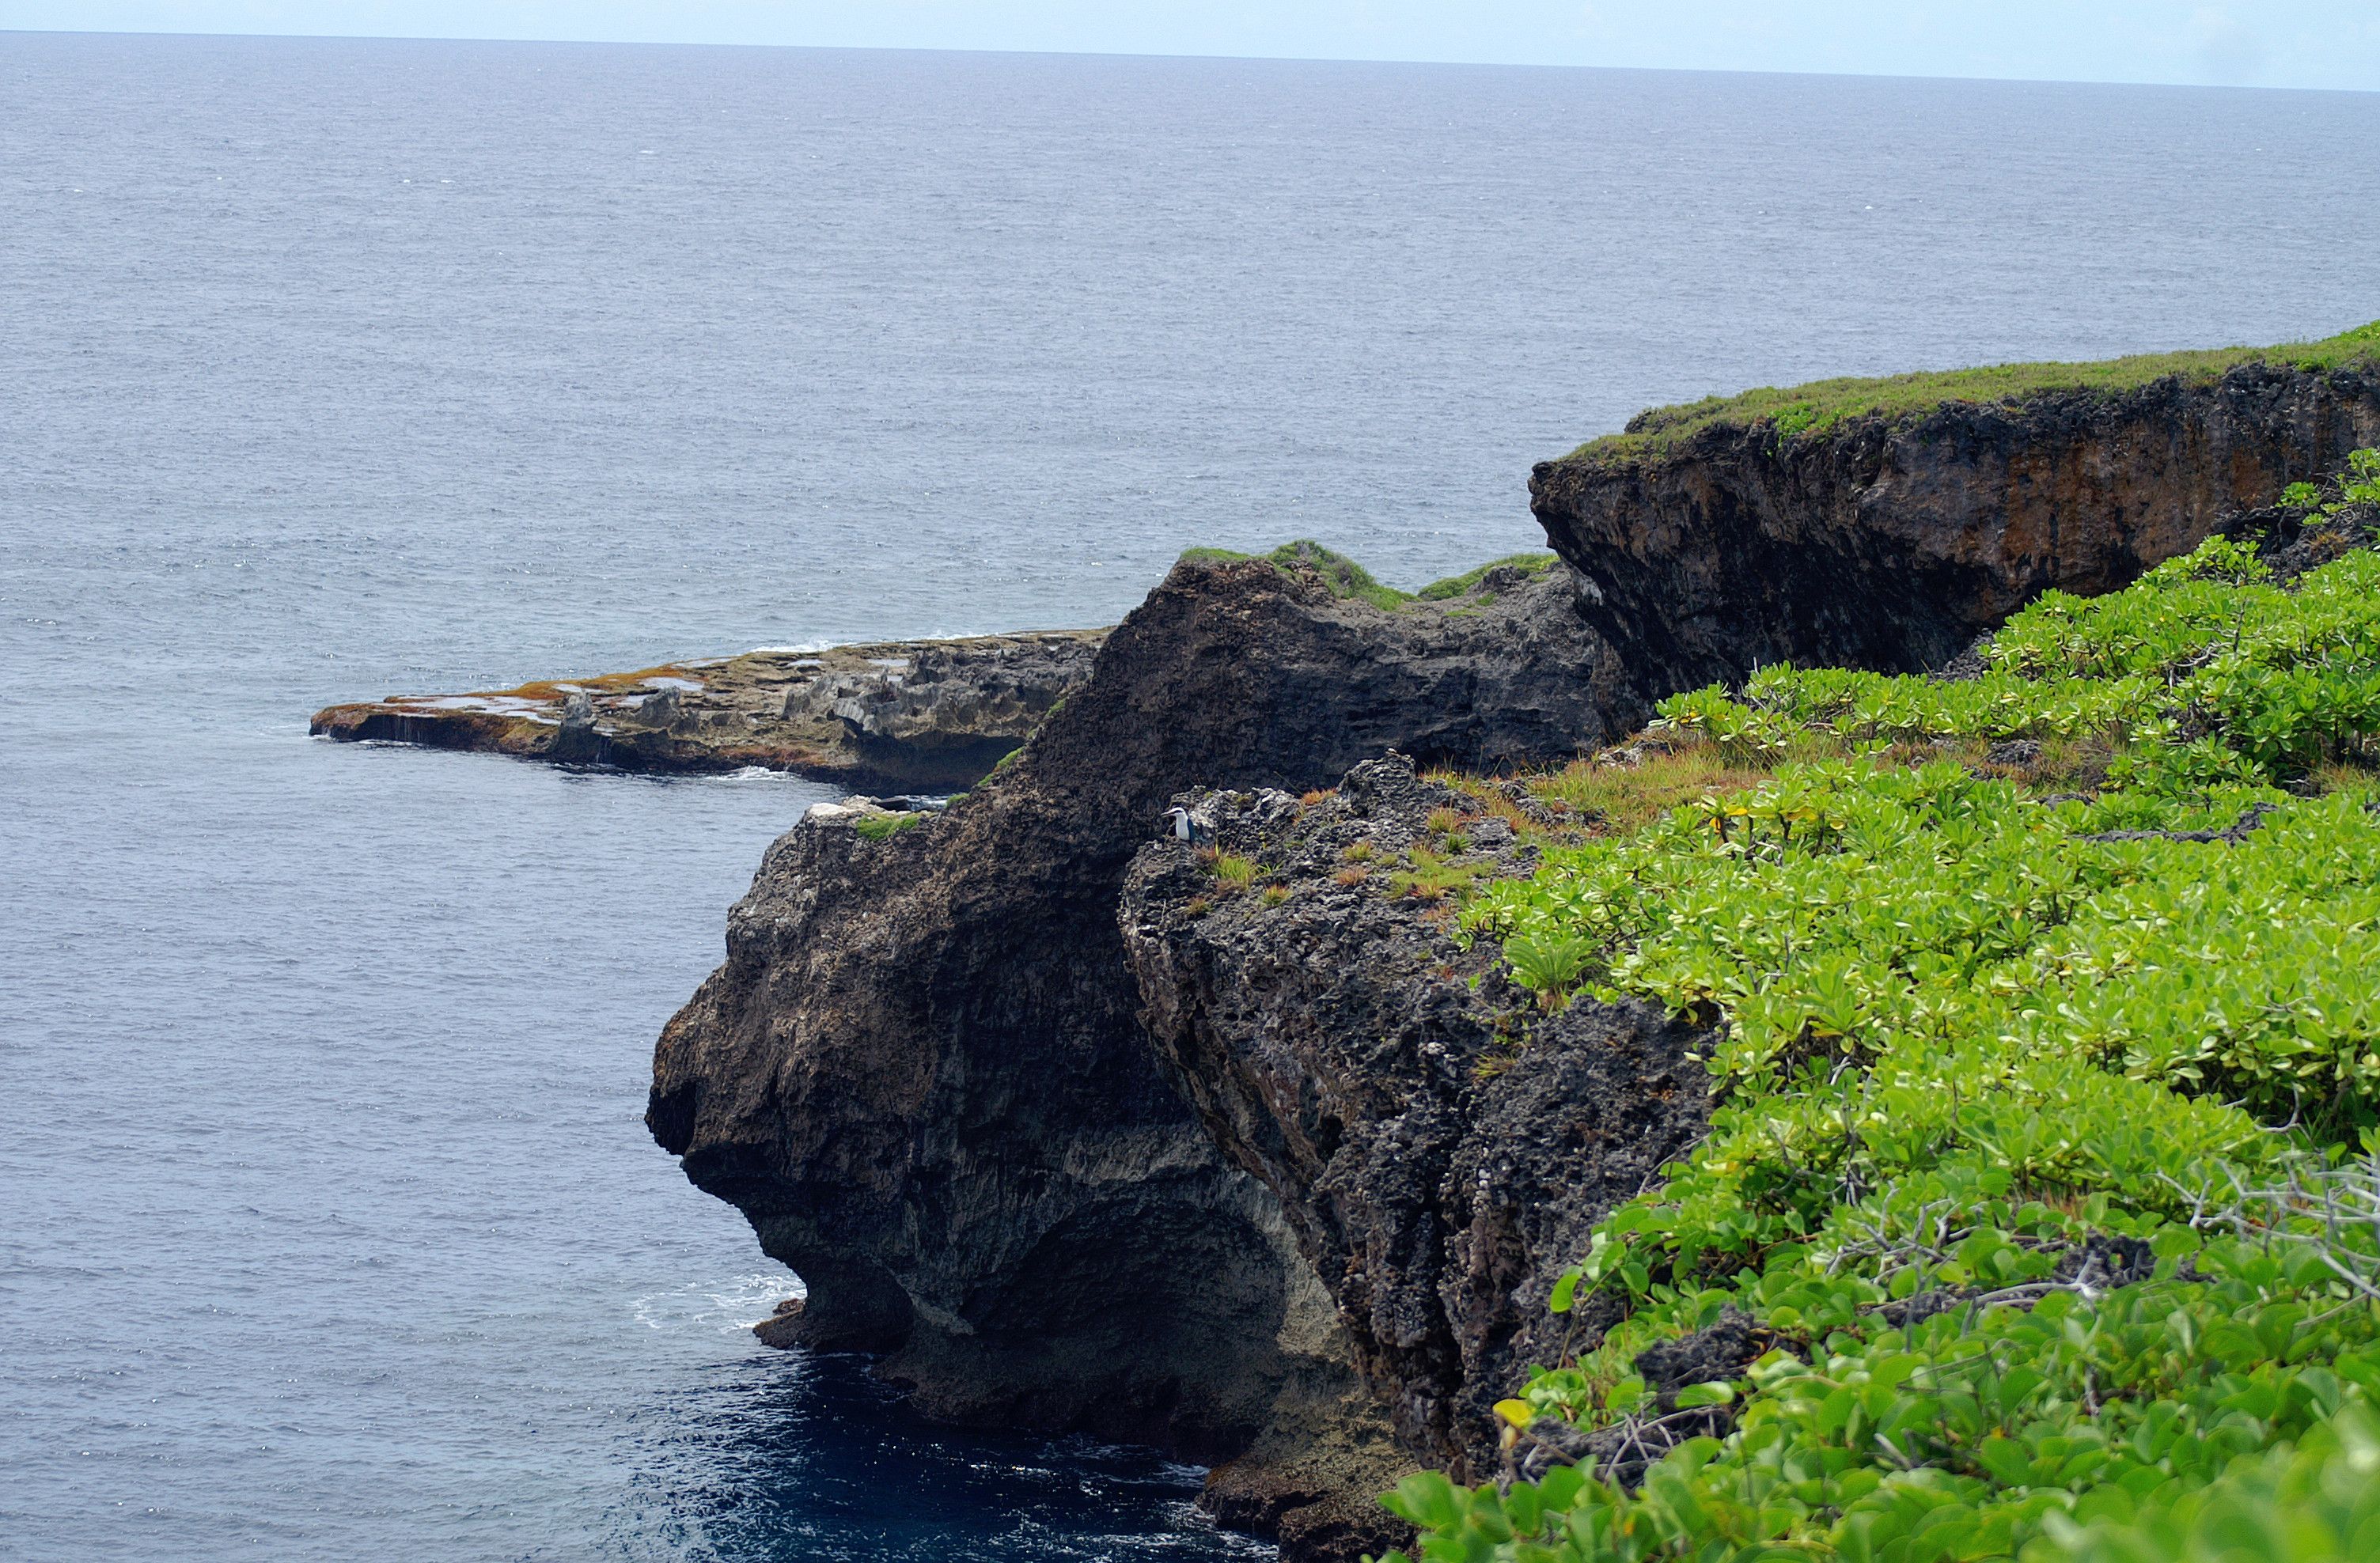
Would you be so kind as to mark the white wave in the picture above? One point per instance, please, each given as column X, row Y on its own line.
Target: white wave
column 725, row 1306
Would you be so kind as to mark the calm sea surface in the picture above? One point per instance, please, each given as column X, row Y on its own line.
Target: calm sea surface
column 328, row 1229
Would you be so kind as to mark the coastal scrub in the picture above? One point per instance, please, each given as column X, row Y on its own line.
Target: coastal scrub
column 2039, row 1215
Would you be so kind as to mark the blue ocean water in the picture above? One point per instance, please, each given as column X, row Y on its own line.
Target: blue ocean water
column 328, row 1226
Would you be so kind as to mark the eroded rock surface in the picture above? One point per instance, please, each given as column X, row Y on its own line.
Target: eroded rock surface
column 921, row 1074
column 927, row 716
column 1440, row 1146
column 1892, row 543
column 1079, row 1136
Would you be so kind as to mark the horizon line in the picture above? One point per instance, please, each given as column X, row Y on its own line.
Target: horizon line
column 1142, row 55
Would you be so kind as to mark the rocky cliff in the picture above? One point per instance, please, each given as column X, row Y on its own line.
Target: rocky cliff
column 1441, row 1146
column 1081, row 1132
column 1889, row 540
column 921, row 1075
column 926, row 716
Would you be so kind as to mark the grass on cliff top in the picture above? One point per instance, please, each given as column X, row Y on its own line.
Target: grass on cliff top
column 1467, row 583
column 2041, row 1195
column 1345, row 577
column 1794, row 411
column 1348, row 579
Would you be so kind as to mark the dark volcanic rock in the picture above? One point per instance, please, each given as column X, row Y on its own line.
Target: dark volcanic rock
column 1080, row 1135
column 2295, row 541
column 920, row 1071
column 1438, row 1146
column 948, row 710
column 1891, row 543
column 1721, row 1351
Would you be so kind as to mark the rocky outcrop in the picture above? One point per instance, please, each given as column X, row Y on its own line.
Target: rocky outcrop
column 1439, row 1145
column 1892, row 541
column 1077, row 1133
column 922, row 1075
column 926, row 716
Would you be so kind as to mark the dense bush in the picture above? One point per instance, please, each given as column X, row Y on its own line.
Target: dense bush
column 2042, row 1165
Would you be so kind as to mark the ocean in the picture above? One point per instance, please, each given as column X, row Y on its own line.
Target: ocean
column 329, row 1227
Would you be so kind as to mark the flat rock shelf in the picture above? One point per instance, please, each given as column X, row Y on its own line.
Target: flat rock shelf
column 925, row 715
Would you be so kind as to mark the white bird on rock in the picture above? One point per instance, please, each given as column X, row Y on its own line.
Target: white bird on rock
column 1188, row 827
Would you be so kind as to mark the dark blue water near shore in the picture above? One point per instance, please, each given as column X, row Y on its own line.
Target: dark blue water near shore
column 328, row 1229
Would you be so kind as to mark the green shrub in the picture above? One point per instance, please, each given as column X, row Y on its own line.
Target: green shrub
column 2316, row 1501
column 1549, row 964
column 882, row 827
column 2360, row 484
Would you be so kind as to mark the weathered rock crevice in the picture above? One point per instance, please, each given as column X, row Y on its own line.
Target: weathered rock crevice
column 1442, row 1146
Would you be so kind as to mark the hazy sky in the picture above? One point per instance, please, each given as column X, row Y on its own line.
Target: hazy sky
column 2264, row 42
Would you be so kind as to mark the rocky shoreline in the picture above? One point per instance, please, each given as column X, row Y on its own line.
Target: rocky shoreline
column 929, row 716
column 1229, row 1145
column 1275, row 1174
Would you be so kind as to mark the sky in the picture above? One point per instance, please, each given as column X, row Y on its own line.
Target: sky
column 2306, row 44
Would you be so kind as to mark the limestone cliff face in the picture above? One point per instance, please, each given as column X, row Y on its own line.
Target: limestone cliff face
column 1441, row 1149
column 1892, row 543
column 921, row 1074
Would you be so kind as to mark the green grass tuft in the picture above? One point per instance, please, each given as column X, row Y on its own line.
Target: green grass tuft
column 1796, row 411
column 1467, row 583
column 1234, row 870
column 1344, row 576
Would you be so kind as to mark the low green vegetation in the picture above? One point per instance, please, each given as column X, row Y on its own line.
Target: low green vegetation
column 1799, row 411
column 2043, row 1170
column 1627, row 797
column 2318, row 1499
column 1468, row 583
column 1344, row 576
column 1238, row 873
column 883, row 827
column 1349, row 579
column 2360, row 484
column 1430, row 875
